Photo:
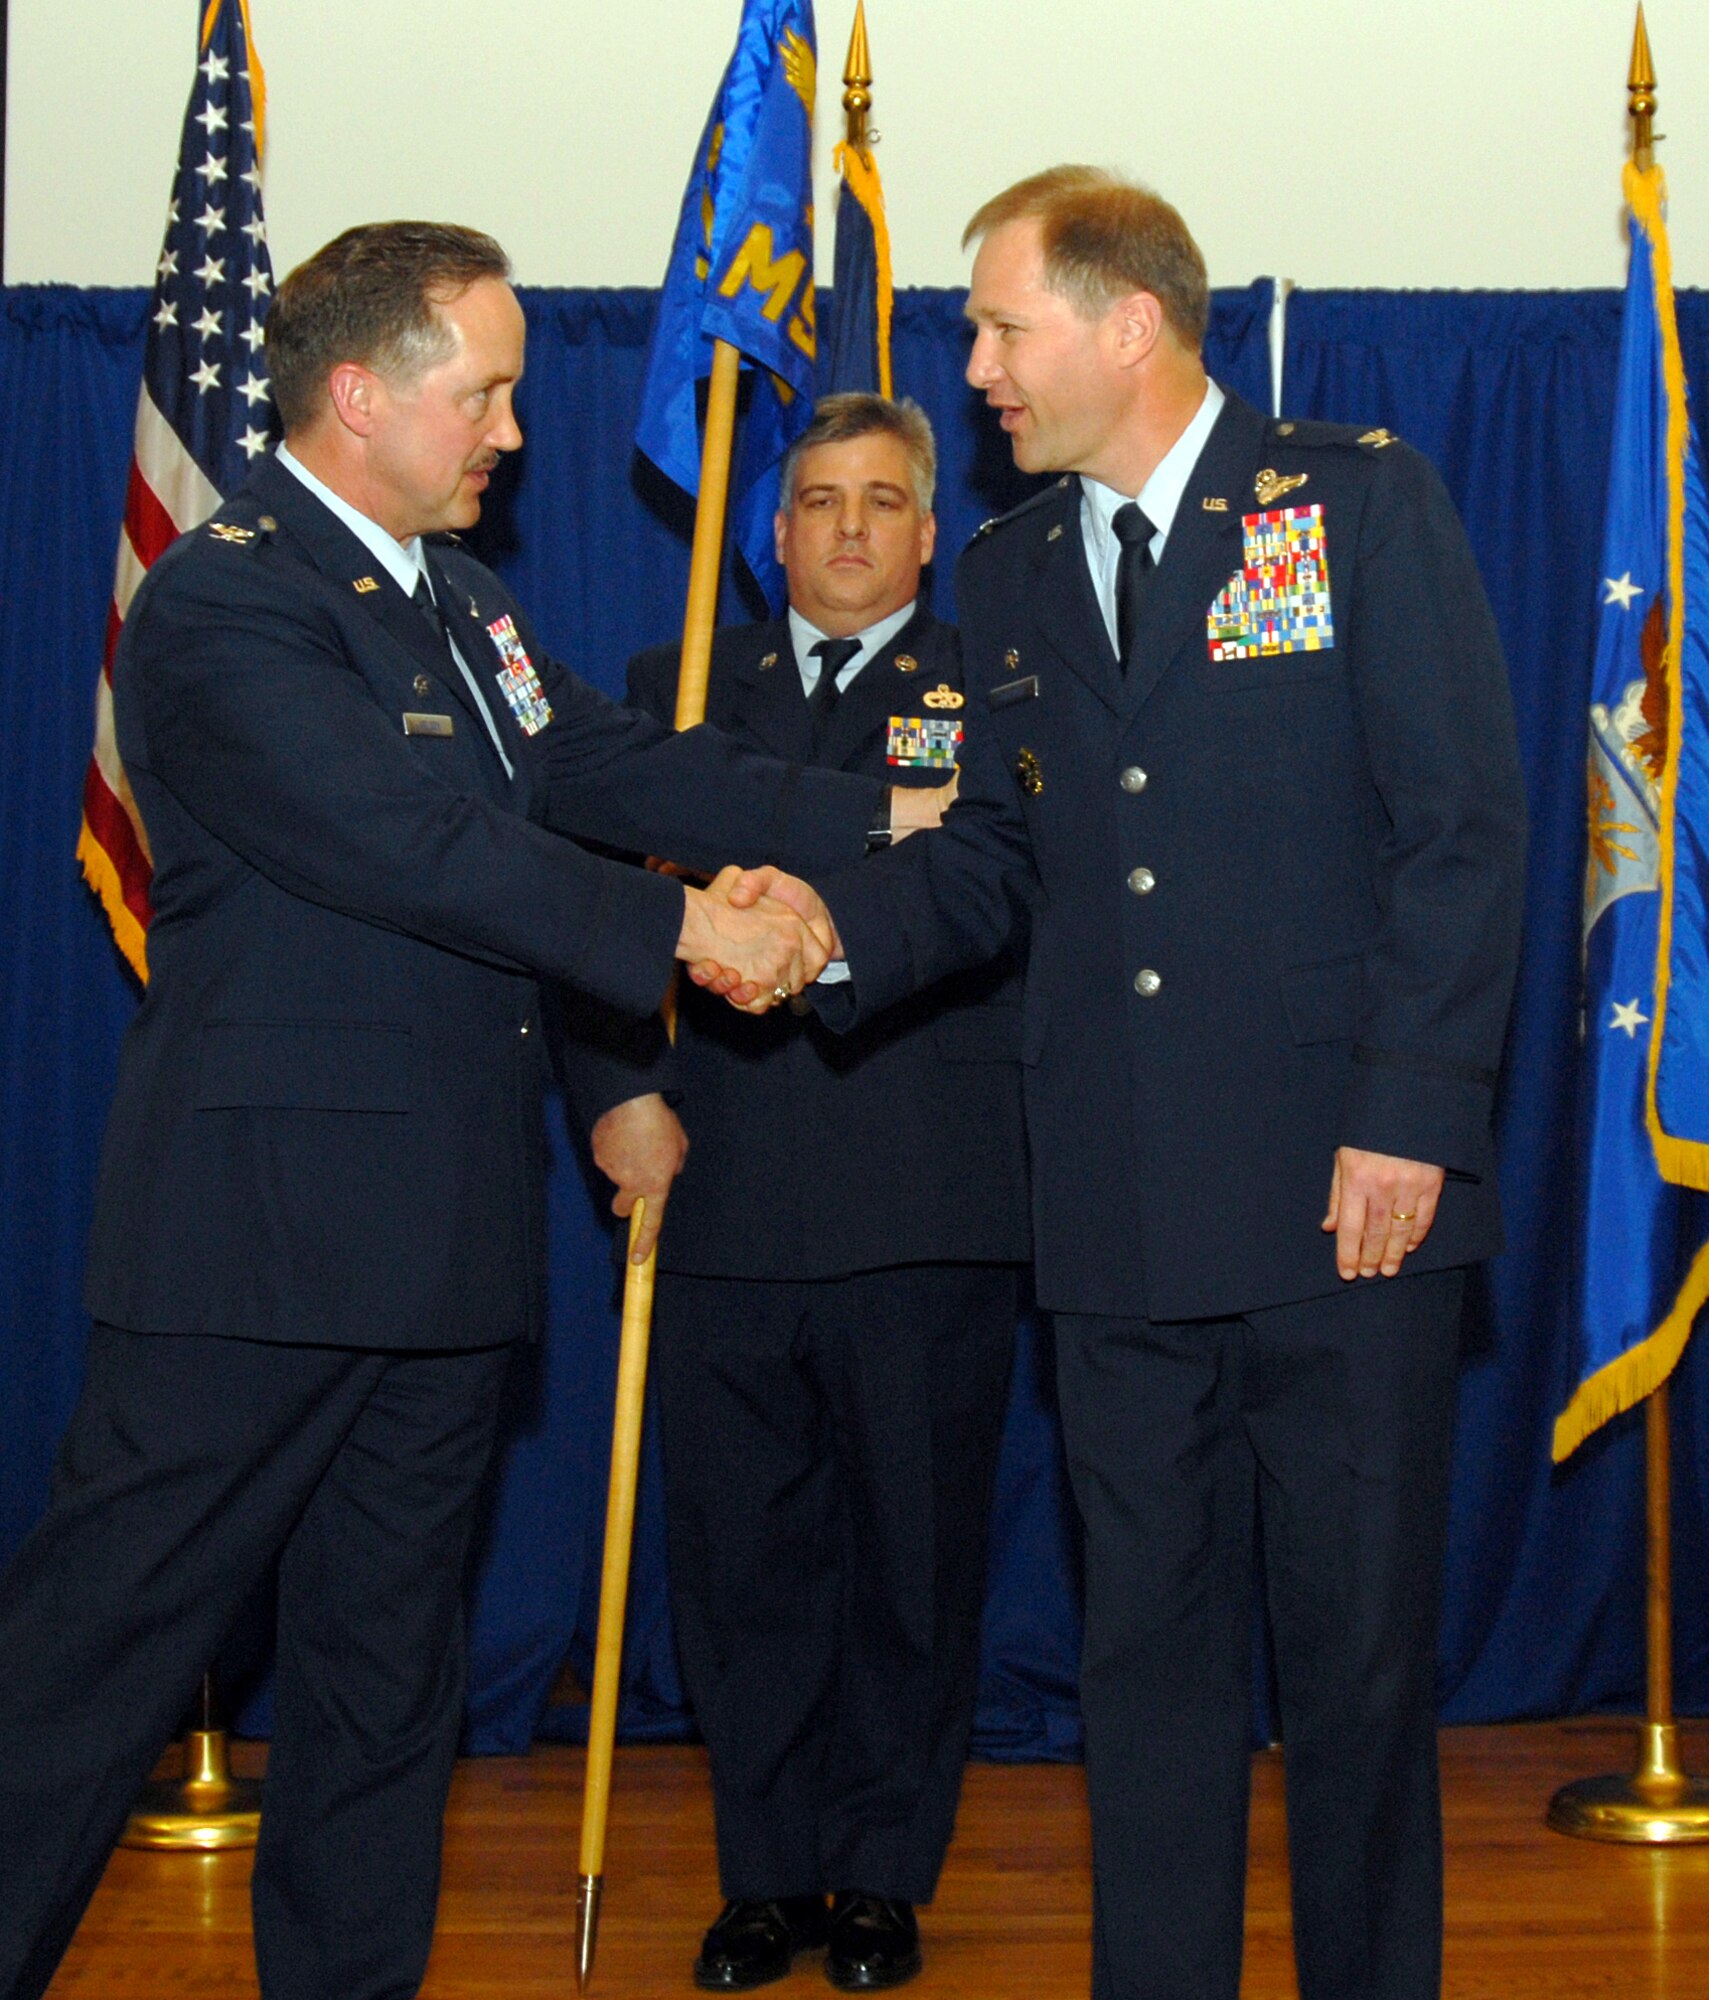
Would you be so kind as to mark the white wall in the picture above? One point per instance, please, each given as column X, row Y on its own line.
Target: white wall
column 1337, row 142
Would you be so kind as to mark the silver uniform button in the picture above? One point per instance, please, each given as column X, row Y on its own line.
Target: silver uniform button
column 1147, row 983
column 1133, row 779
column 1141, row 881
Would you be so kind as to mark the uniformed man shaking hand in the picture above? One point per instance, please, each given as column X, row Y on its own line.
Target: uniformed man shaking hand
column 320, row 1223
column 1235, row 692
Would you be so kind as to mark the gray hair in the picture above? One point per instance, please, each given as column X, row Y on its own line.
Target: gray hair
column 855, row 414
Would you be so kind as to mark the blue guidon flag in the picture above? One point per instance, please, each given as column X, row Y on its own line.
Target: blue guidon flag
column 741, row 270
column 1644, row 1095
column 205, row 411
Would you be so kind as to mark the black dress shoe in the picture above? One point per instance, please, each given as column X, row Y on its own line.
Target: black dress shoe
column 753, row 1943
column 875, row 1943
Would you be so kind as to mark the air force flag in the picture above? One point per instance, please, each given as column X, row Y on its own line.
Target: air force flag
column 1644, row 1081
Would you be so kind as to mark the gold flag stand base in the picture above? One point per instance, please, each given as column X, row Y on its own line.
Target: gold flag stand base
column 207, row 1809
column 1659, row 1805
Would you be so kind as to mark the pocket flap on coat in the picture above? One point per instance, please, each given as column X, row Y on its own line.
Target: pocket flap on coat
column 306, row 1066
column 1324, row 1001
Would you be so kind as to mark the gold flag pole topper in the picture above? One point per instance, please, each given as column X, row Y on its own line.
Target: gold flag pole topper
column 1656, row 1804
column 853, row 160
column 698, row 622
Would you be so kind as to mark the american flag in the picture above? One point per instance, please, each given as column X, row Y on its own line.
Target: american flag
column 205, row 411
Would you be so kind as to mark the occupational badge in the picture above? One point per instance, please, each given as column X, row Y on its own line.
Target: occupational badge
column 1270, row 485
column 517, row 680
column 923, row 742
column 944, row 696
column 1029, row 773
column 1279, row 602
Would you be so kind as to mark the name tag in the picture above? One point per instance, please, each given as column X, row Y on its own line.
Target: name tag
column 1011, row 691
column 426, row 725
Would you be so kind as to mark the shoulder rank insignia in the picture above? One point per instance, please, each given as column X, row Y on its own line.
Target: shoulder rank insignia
column 906, row 664
column 1378, row 438
column 1270, row 485
column 1214, row 506
column 944, row 696
column 1278, row 601
column 1029, row 773
column 922, row 742
column 767, row 661
column 985, row 527
column 225, row 531
column 364, row 584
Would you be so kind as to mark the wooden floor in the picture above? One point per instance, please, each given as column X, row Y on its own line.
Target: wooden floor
column 1531, row 1916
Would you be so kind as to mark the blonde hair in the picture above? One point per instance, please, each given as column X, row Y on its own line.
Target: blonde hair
column 1104, row 237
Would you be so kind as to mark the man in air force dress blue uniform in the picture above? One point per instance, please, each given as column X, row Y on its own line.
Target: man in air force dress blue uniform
column 1235, row 693
column 320, row 1221
column 836, row 1302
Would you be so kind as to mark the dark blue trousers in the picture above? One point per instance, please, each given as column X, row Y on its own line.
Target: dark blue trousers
column 1324, row 1427
column 192, row 1466
column 829, row 1453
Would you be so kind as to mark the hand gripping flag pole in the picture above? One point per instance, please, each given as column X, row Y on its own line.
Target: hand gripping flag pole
column 739, row 287
column 1646, row 1104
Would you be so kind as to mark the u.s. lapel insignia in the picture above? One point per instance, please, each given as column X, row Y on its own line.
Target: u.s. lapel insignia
column 1213, row 506
column 1055, row 534
column 1012, row 660
column 923, row 742
column 517, row 680
column 225, row 531
column 944, row 696
column 1378, row 438
column 364, row 584
column 907, row 664
column 1270, row 485
column 767, row 662
column 1029, row 773
column 422, row 685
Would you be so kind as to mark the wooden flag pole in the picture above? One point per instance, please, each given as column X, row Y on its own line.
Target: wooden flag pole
column 1657, row 1803
column 698, row 623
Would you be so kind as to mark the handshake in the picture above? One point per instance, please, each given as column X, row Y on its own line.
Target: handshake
column 756, row 936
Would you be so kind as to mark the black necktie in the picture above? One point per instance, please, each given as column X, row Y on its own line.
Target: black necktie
column 1133, row 572
column 833, row 655
column 425, row 602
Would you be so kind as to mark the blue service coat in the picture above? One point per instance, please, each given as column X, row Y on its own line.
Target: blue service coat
column 1281, row 889
column 327, row 1124
column 813, row 1155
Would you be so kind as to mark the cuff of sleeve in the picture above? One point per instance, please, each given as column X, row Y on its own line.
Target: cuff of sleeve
column 1418, row 1114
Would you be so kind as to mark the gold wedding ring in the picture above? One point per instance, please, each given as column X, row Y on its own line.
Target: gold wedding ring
column 1396, row 1215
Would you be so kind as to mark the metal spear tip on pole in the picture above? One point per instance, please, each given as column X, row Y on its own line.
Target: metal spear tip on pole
column 1641, row 94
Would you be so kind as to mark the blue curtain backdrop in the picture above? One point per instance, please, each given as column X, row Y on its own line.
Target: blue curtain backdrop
column 1510, row 394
